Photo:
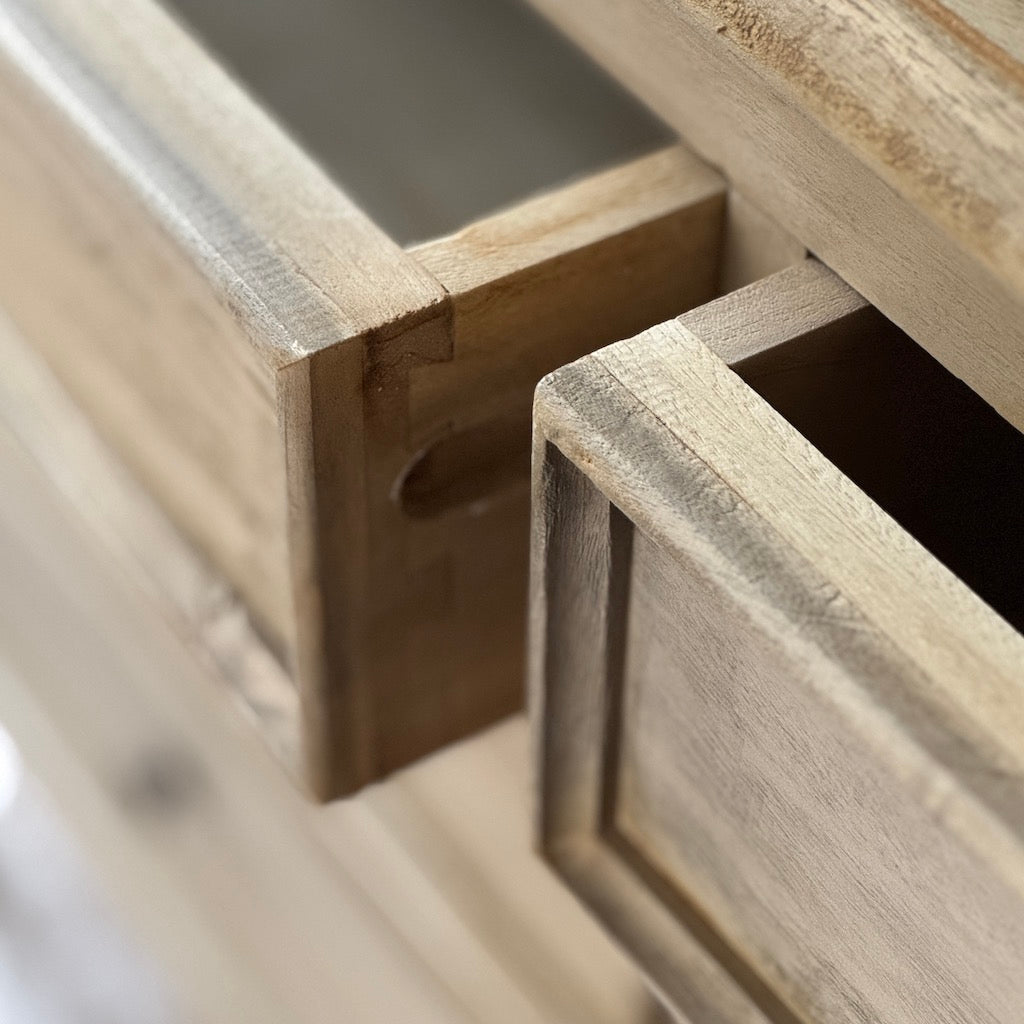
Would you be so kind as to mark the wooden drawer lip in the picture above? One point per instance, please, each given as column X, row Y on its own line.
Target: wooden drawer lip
column 987, row 657
column 778, row 581
column 946, row 724
column 995, row 647
column 243, row 201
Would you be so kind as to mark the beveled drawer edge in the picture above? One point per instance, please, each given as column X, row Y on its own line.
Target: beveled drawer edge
column 587, row 420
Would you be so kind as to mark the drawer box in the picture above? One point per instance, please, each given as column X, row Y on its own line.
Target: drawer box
column 778, row 742
column 340, row 424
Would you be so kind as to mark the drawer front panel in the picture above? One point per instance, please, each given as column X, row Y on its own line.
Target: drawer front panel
column 752, row 780
column 774, row 734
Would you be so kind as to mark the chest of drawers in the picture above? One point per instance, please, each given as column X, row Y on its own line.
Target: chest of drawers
column 774, row 653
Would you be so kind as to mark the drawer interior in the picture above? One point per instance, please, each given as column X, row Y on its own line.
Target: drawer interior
column 429, row 113
column 915, row 438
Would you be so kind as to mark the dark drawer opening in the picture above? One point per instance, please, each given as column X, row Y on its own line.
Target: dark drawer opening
column 916, row 439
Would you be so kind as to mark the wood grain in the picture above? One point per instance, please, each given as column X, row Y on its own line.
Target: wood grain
column 38, row 415
column 260, row 354
column 888, row 142
column 530, row 288
column 171, row 253
column 775, row 737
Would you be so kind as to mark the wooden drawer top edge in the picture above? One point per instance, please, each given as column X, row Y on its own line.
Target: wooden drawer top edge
column 290, row 253
column 665, row 388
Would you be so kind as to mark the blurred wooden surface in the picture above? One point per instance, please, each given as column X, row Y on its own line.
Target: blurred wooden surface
column 419, row 900
column 65, row 956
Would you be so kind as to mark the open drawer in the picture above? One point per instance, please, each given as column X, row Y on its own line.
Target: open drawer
column 340, row 424
column 779, row 741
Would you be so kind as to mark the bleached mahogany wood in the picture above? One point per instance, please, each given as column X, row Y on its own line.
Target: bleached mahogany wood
column 890, row 142
column 779, row 744
column 251, row 344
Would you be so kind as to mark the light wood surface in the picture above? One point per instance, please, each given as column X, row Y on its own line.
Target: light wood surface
column 195, row 832
column 778, row 742
column 888, row 141
column 204, row 610
column 266, row 360
column 530, row 288
column 122, row 661
column 172, row 253
column 65, row 953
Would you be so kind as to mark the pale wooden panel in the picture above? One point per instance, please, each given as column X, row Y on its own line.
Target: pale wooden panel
column 196, row 832
column 134, row 330
column 138, row 537
column 889, row 142
column 773, row 730
column 580, row 552
column 797, row 823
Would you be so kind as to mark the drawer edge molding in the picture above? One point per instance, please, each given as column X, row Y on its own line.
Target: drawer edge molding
column 657, row 439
